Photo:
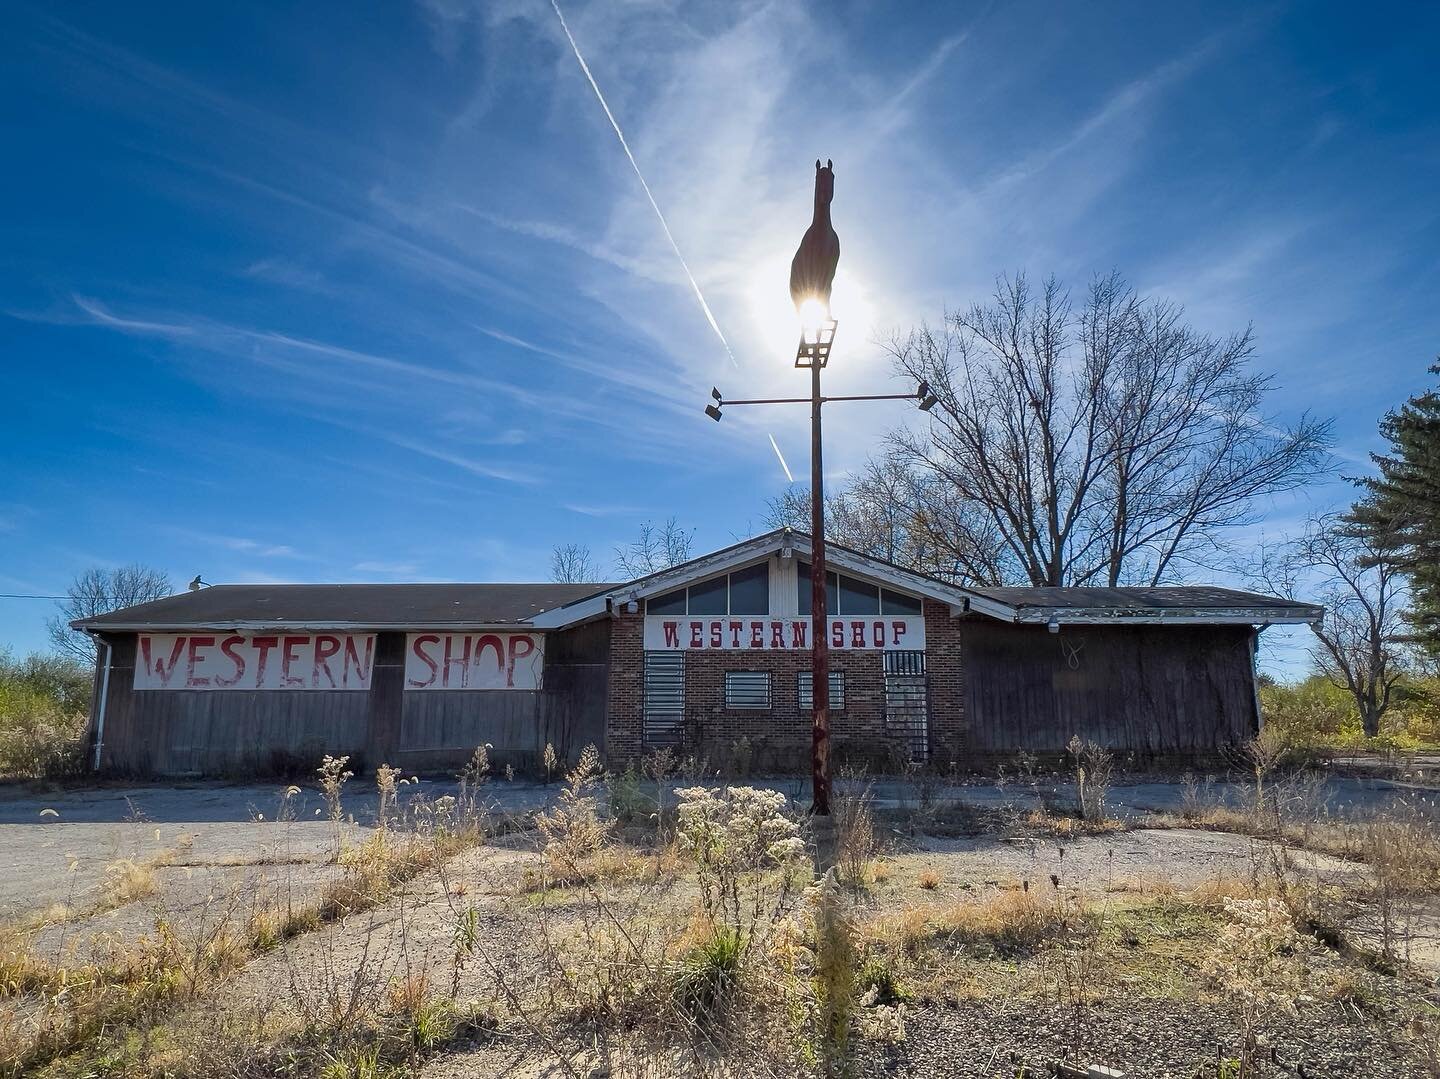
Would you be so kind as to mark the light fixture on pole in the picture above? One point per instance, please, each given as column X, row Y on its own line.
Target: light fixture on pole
column 812, row 273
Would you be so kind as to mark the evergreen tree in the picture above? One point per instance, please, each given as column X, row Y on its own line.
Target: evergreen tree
column 1400, row 513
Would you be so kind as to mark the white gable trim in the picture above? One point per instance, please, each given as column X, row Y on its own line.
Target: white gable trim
column 771, row 543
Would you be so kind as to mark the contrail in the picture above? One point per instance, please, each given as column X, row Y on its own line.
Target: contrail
column 776, row 447
column 656, row 207
column 641, row 177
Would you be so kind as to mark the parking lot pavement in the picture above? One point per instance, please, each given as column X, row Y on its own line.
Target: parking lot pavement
column 56, row 845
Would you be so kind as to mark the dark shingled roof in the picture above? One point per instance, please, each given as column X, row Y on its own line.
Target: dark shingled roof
column 424, row 606
column 1178, row 597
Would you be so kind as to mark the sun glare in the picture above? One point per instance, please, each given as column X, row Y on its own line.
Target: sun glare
column 776, row 325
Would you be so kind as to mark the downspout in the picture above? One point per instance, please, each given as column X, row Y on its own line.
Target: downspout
column 104, row 696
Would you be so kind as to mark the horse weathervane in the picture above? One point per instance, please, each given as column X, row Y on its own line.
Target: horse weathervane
column 812, row 270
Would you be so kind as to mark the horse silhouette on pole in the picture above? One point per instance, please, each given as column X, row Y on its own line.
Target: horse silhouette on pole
column 812, row 270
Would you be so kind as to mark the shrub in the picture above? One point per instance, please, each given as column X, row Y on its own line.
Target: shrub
column 628, row 802
column 1093, row 767
column 876, row 981
column 834, row 974
column 857, row 845
column 573, row 830
column 707, row 972
column 737, row 837
column 1254, row 964
column 42, row 725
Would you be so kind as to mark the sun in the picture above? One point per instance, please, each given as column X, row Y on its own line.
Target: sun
column 776, row 325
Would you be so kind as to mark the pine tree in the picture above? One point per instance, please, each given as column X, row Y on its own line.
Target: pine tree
column 1400, row 513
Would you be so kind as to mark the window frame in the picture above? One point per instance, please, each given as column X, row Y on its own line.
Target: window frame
column 685, row 590
column 837, row 679
column 835, row 592
column 732, row 703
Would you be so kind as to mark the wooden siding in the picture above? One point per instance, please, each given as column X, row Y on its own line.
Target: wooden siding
column 577, row 671
column 1151, row 690
column 454, row 722
column 178, row 732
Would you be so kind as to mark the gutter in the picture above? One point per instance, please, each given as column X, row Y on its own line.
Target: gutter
column 249, row 626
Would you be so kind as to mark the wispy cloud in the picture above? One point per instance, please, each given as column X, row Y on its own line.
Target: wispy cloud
column 240, row 544
column 388, row 569
column 465, row 464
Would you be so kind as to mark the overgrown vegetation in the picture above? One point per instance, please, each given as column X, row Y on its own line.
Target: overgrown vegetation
column 1317, row 715
column 631, row 927
column 44, row 704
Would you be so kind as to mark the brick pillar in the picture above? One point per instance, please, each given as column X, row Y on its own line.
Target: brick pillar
column 625, row 703
column 945, row 670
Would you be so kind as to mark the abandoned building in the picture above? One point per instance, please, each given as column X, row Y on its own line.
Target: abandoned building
column 704, row 656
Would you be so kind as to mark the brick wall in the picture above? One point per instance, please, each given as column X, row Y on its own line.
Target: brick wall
column 779, row 738
column 625, row 707
column 945, row 664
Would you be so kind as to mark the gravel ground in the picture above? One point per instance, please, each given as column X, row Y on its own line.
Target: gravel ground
column 1145, row 857
column 1152, row 1039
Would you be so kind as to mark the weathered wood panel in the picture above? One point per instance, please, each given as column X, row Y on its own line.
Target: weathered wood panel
column 387, row 693
column 1144, row 689
column 176, row 732
column 573, row 704
column 442, row 728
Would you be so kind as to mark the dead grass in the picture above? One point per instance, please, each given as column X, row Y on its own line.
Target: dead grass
column 54, row 1011
column 618, row 950
column 1049, row 823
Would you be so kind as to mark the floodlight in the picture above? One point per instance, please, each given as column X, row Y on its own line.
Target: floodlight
column 712, row 412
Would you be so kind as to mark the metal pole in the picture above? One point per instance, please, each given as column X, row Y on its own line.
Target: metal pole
column 819, row 620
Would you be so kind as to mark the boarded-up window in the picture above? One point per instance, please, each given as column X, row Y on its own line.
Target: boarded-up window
column 664, row 697
column 837, row 690
column 747, row 689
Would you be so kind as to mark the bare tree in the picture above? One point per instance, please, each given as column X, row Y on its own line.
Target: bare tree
column 100, row 591
column 889, row 511
column 1106, row 446
column 572, row 563
column 1359, row 641
column 654, row 550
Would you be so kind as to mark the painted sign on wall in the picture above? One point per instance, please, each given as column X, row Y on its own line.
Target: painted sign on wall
column 735, row 634
column 214, row 661
column 474, row 660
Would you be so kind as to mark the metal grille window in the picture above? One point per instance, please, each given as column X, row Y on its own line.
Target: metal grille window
column 901, row 662
column 906, row 703
column 747, row 689
column 837, row 690
column 664, row 697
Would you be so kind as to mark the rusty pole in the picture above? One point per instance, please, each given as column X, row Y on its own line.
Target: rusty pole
column 819, row 621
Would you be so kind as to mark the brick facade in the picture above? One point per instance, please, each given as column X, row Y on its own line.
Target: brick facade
column 778, row 738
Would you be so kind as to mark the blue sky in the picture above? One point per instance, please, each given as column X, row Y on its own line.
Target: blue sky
column 370, row 292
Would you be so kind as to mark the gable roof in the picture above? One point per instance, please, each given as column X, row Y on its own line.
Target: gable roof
column 1200, row 604
column 342, row 606
column 554, row 606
